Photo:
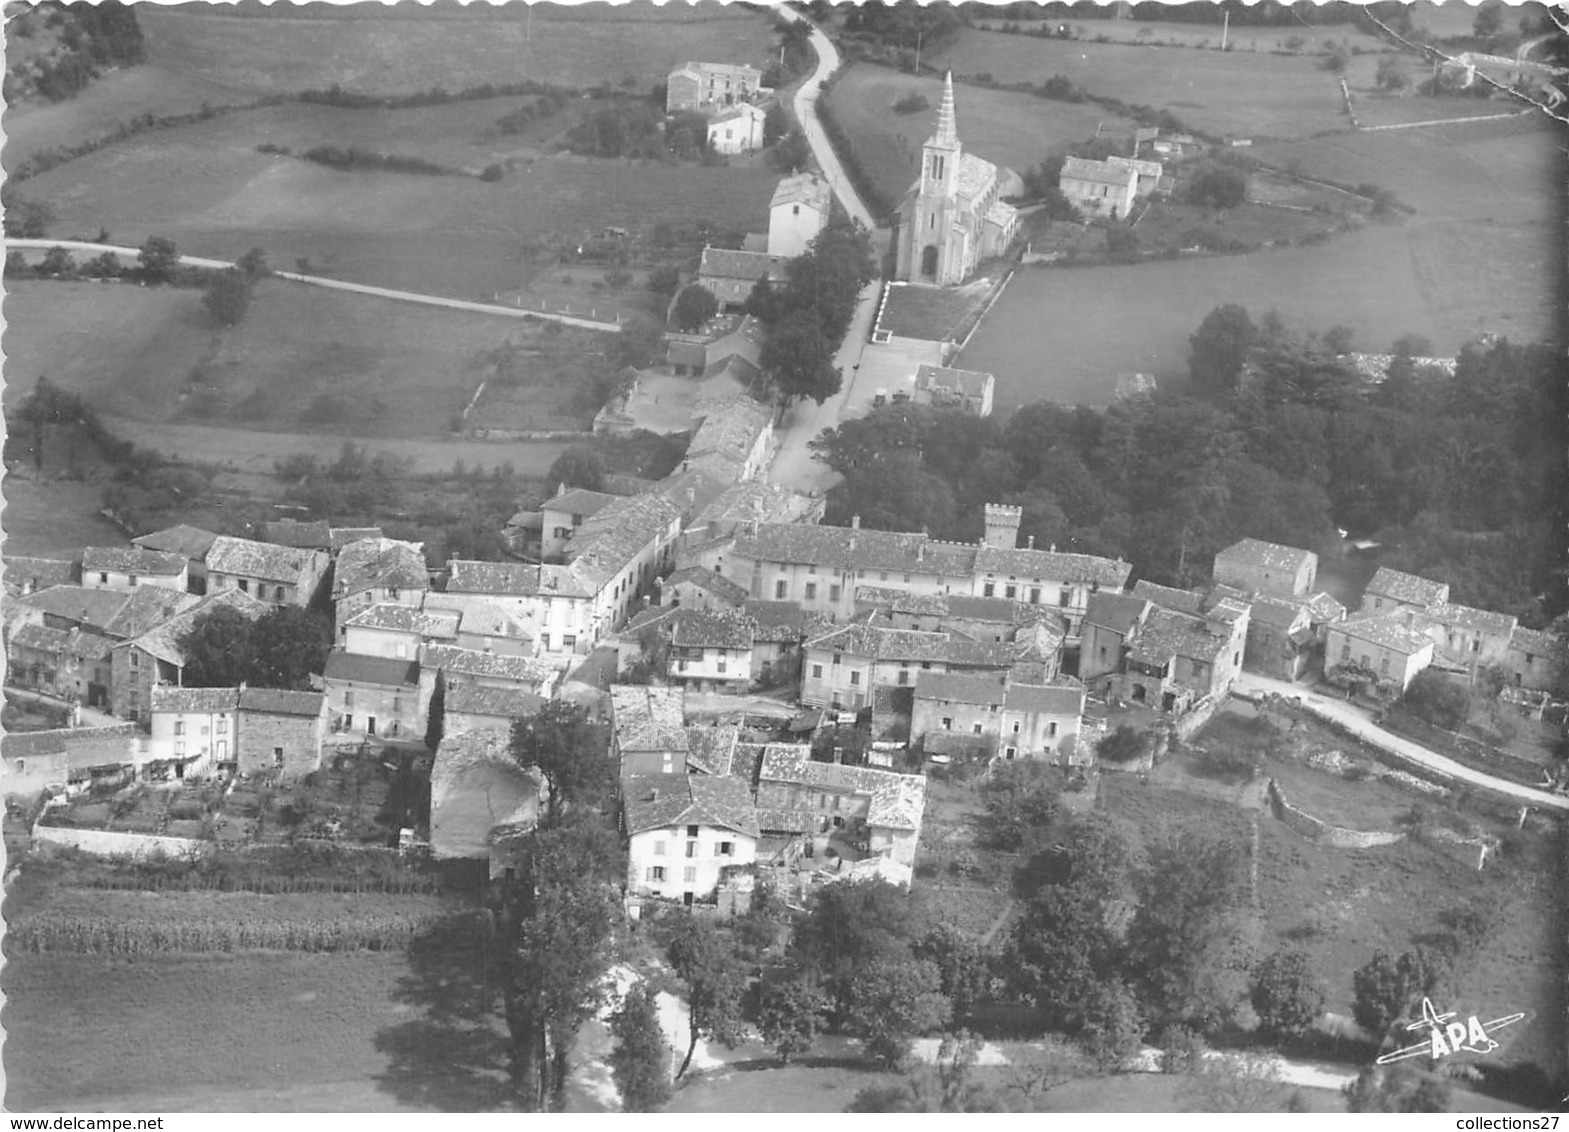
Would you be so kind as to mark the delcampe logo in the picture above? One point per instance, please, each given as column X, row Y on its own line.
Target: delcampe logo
column 1447, row 1035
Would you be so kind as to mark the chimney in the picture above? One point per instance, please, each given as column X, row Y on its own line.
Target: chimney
column 855, row 522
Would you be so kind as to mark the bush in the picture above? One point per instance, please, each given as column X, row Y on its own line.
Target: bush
column 912, row 103
column 1217, row 186
column 1436, row 699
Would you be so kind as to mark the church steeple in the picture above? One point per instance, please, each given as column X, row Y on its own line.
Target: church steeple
column 947, row 129
column 940, row 154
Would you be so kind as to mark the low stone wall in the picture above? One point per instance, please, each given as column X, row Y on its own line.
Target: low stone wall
column 1304, row 823
column 1462, row 748
column 1196, row 717
column 107, row 843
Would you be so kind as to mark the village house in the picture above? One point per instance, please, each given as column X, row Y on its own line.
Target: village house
column 953, row 216
column 779, row 632
column 1172, row 660
column 281, row 732
column 683, row 831
column 190, row 543
column 711, row 652
column 706, row 86
column 455, row 667
column 68, row 759
column 1110, row 619
column 958, row 712
column 731, row 275
column 716, row 749
column 374, row 695
column 799, row 211
column 1470, row 639
column 881, row 809
column 117, row 614
column 648, row 729
column 1254, row 566
column 118, row 568
column 194, row 729
column 945, row 387
column 736, row 129
column 1149, row 172
column 301, row 534
column 696, row 587
column 69, row 664
column 482, row 625
column 563, row 514
column 843, row 667
column 374, row 572
column 755, row 501
column 278, row 575
column 398, row 631
column 1042, row 721
column 1535, row 659
column 23, row 575
column 477, row 707
column 205, row 731
column 481, row 799
column 156, row 655
column 1280, row 639
column 1390, row 647
column 1389, row 590
column 1099, row 188
column 733, row 438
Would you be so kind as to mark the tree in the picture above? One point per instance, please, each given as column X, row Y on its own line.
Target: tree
column 556, row 920
column 695, row 305
column 436, row 715
column 1393, row 73
column 1217, row 186
column 56, row 261
column 1286, row 995
column 1338, row 58
column 639, row 1064
column 792, row 154
column 1123, row 745
column 799, row 359
column 227, row 297
column 1233, row 1082
column 1388, row 989
column 705, row 958
column 1489, row 21
column 253, row 264
column 1113, row 1024
column 944, row 1087
column 578, row 466
column 570, row 750
column 790, row 1009
column 158, row 259
column 1022, row 800
column 1397, row 1088
column 1436, row 698
column 896, row 999
column 664, row 280
column 962, row 966
column 847, row 926
column 776, row 124
column 281, row 649
column 27, row 219
column 1219, row 347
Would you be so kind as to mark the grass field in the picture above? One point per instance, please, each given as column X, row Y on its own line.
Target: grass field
column 1313, row 38
column 1232, row 94
column 1013, row 130
column 196, row 55
column 54, row 518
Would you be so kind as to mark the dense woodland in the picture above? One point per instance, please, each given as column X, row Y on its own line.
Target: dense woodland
column 1463, row 477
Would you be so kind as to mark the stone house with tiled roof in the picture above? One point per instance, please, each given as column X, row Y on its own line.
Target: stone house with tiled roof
column 710, row 86
column 71, row 664
column 683, row 831
column 946, row 387
column 1099, row 188
column 201, row 731
column 476, row 707
column 377, row 571
column 1534, row 658
column 648, row 729
column 1391, row 589
column 997, row 716
column 155, row 656
column 374, row 695
column 126, row 568
column 1280, row 638
column 1042, row 721
column 564, row 513
column 842, row 667
column 737, row 129
column 797, row 214
column 1255, row 566
column 880, row 807
column 281, row 732
column 190, row 543
column 1172, row 660
column 195, row 729
column 1109, row 620
column 734, row 436
column 68, row 759
column 455, row 667
column 481, row 799
column 711, row 651
column 731, row 275
column 26, row 575
column 278, row 575
column 1391, row 647
column 398, row 631
column 697, row 587
column 301, row 534
column 482, row 625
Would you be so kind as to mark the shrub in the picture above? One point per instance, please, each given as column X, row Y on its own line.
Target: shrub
column 1438, row 700
column 912, row 103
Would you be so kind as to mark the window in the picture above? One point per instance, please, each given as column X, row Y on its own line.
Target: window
column 659, row 848
column 726, row 849
column 988, row 590
column 795, row 210
column 544, row 641
column 1064, row 597
column 277, row 756
column 656, row 873
column 21, row 766
column 1016, row 726
column 817, row 672
column 833, row 593
column 947, row 723
column 245, row 585
column 136, row 659
column 781, row 589
column 1378, row 603
column 811, row 591
column 904, row 676
column 1035, row 595
column 279, row 595
column 348, row 698
column 1011, row 751
column 1010, row 591
column 976, row 729
column 179, row 727
column 1345, row 651
column 1383, row 665
column 836, row 658
column 855, row 677
column 811, row 568
column 689, row 875
column 569, row 640
column 691, row 848
column 722, row 667
column 1051, row 729
column 882, row 576
column 103, row 578
column 223, row 725
column 691, row 831
column 1476, row 646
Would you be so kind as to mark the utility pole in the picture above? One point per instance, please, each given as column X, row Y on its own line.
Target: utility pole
column 918, row 36
column 1225, row 27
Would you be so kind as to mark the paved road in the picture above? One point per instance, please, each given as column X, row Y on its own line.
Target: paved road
column 1358, row 721
column 333, row 284
column 806, row 113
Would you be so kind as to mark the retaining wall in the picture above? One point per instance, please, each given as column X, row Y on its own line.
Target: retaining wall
column 1314, row 829
column 106, row 843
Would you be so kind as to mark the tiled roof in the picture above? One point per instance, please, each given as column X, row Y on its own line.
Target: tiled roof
column 502, row 703
column 579, row 501
column 690, row 354
column 1407, row 588
column 171, row 700
column 733, row 70
column 250, row 559
column 149, row 607
column 41, row 638
column 477, row 615
column 705, row 579
column 163, row 639
column 95, row 608
column 848, row 548
column 740, row 110
column 278, row 701
column 131, row 560
column 730, row 429
column 314, row 534
column 1321, row 607
column 1167, row 633
column 1049, row 566
column 385, row 670
column 491, row 746
column 436, row 625
column 976, row 175
column 897, row 800
column 959, row 688
column 1476, row 620
column 1144, row 168
column 902, row 601
column 1277, row 612
column 1536, row 642
column 802, row 188
column 720, row 263
column 786, row 821
column 379, row 562
column 1000, row 610
column 1001, row 213
column 906, row 644
column 83, row 747
column 1168, row 597
column 186, row 541
column 711, row 749
column 695, row 628
column 514, row 579
column 664, row 801
column 1064, row 698
column 340, row 537
column 778, row 621
column 1115, row 611
column 1268, row 555
column 966, row 382
column 1096, row 172
column 605, row 543
column 1388, row 630
column 698, row 483
column 648, row 718
column 471, row 662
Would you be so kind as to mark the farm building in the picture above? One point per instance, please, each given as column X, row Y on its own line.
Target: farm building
column 279, row 575
column 704, row 86
column 1254, row 566
column 118, row 568
column 1099, row 188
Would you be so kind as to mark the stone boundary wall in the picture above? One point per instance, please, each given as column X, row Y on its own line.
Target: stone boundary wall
column 1462, row 748
column 107, row 843
column 1304, row 823
column 1197, row 716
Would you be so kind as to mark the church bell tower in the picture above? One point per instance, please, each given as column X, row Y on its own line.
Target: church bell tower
column 929, row 252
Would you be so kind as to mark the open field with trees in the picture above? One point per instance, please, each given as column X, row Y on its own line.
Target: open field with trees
column 233, row 57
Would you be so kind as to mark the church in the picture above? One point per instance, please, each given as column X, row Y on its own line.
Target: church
column 952, row 218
